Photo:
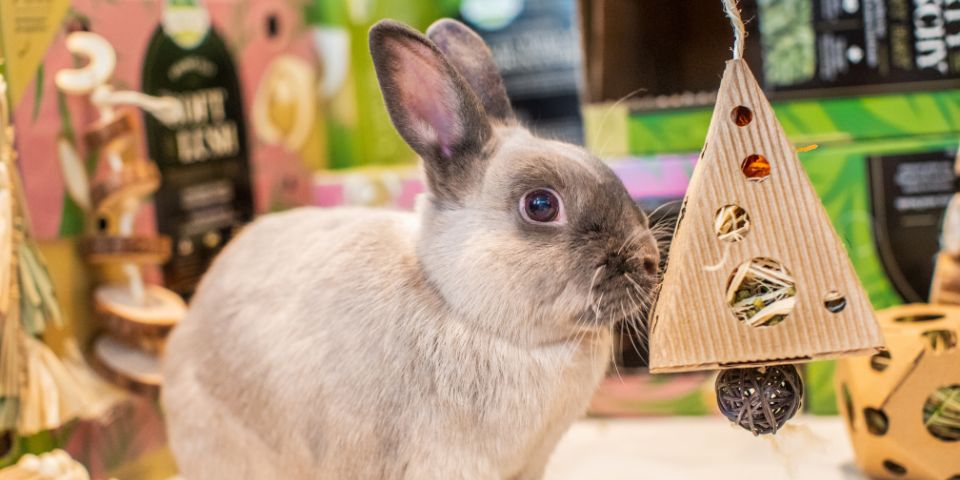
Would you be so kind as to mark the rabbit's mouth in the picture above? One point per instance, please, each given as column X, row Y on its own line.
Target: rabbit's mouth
column 622, row 298
column 621, row 288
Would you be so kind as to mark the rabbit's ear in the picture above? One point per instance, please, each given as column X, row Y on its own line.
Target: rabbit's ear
column 431, row 106
column 468, row 53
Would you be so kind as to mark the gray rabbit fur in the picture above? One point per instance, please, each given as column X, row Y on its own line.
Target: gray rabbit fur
column 457, row 342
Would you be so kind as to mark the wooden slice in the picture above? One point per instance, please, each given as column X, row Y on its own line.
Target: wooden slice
column 127, row 367
column 142, row 325
column 150, row 250
column 135, row 181
column 103, row 132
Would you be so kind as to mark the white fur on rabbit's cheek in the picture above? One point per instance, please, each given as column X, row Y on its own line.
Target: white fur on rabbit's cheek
column 561, row 218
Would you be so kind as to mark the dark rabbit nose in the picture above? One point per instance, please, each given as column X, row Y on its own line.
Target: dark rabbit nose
column 650, row 257
column 651, row 265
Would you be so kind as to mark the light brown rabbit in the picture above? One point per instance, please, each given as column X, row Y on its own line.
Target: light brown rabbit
column 457, row 342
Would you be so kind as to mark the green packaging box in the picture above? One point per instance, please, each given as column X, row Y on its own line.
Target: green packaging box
column 618, row 130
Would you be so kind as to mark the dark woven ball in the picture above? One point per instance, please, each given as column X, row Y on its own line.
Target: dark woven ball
column 760, row 399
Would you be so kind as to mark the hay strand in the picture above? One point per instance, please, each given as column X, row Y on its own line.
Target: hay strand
column 761, row 292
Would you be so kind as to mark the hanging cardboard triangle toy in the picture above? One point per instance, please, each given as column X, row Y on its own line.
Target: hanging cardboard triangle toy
column 756, row 275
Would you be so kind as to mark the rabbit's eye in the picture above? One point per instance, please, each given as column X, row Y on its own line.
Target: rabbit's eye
column 540, row 206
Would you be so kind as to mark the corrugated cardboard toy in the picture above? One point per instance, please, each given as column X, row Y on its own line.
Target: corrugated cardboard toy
column 757, row 274
column 902, row 405
column 757, row 277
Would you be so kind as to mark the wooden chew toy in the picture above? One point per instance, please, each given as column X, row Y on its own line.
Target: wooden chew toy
column 757, row 277
column 901, row 406
column 136, row 317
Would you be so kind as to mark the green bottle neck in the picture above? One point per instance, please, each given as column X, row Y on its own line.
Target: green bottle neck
column 183, row 3
column 187, row 22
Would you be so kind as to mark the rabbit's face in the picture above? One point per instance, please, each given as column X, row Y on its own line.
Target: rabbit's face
column 528, row 238
column 549, row 236
column 575, row 224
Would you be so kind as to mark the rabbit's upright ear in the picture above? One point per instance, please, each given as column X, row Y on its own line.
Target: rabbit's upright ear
column 432, row 107
column 468, row 53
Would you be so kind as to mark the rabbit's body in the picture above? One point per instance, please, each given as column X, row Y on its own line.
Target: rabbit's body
column 457, row 342
column 383, row 369
column 286, row 395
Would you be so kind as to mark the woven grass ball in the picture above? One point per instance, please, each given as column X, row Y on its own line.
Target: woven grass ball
column 760, row 400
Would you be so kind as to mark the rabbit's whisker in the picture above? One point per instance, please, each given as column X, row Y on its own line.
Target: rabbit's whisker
column 630, row 239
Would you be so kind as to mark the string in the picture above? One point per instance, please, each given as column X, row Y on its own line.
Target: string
column 739, row 28
column 739, row 32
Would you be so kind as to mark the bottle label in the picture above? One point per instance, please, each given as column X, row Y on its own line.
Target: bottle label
column 846, row 44
column 205, row 195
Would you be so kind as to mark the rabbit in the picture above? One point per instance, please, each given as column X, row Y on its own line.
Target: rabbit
column 458, row 341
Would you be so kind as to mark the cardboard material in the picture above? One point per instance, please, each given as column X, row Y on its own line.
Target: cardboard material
column 693, row 327
column 898, row 383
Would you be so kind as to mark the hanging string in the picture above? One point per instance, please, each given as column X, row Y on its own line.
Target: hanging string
column 739, row 28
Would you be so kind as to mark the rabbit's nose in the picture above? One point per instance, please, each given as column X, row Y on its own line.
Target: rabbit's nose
column 649, row 256
column 651, row 264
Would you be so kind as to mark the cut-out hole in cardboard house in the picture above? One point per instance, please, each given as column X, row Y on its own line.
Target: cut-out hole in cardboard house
column 785, row 292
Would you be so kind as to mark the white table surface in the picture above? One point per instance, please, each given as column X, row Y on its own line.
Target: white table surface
column 702, row 448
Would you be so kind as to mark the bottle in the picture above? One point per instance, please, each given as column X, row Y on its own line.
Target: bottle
column 203, row 157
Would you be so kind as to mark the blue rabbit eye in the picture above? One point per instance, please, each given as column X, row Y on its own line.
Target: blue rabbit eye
column 541, row 206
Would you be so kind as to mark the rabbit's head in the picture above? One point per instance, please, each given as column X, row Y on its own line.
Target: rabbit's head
column 532, row 239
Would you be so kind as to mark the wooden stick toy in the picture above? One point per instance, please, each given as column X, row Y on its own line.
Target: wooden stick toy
column 136, row 316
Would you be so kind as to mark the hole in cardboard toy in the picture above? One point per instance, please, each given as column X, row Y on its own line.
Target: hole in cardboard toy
column 929, row 317
column 894, row 467
column 6, row 443
column 732, row 223
column 940, row 341
column 941, row 413
column 742, row 116
column 761, row 292
column 756, row 168
column 848, row 405
column 880, row 361
column 876, row 421
column 835, row 301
